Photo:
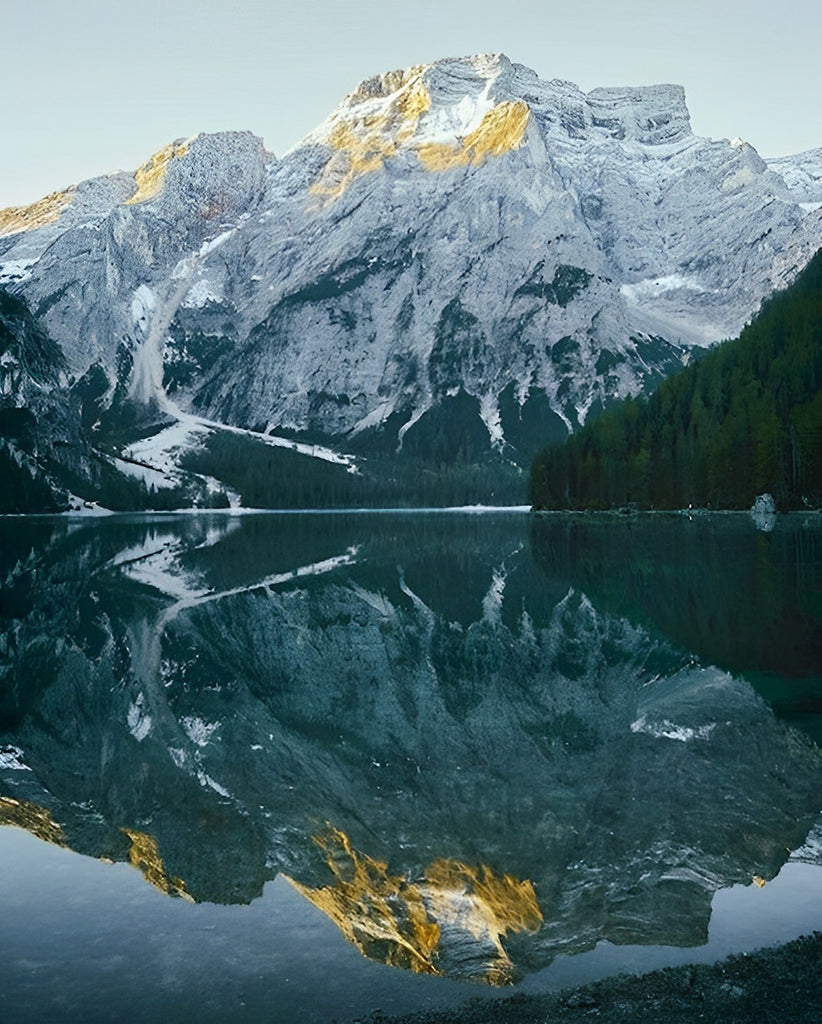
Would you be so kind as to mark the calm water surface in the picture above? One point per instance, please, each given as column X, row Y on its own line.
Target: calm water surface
column 299, row 768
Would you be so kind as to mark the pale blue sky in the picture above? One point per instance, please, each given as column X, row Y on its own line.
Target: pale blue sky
column 95, row 85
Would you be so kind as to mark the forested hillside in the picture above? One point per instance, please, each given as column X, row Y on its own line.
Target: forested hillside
column 745, row 419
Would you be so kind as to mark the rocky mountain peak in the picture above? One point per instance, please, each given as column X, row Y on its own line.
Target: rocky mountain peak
column 803, row 176
column 217, row 174
column 211, row 175
column 447, row 78
column 452, row 113
column 654, row 114
column 458, row 112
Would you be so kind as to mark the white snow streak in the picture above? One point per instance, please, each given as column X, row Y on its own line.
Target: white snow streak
column 489, row 412
column 12, row 757
column 139, row 722
column 379, row 602
column 206, row 780
column 492, row 602
column 215, row 243
column 670, row 731
column 147, row 378
column 194, row 599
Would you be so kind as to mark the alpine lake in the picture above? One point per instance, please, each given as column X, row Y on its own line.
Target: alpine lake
column 305, row 767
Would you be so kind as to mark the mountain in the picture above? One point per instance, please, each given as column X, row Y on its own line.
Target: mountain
column 745, row 420
column 803, row 176
column 462, row 261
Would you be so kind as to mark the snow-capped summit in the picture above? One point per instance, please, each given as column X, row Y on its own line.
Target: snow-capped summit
column 448, row 99
column 448, row 114
column 460, row 112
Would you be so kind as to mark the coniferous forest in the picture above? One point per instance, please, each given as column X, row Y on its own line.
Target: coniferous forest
column 743, row 420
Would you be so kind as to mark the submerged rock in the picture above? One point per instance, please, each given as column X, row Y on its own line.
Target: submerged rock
column 763, row 512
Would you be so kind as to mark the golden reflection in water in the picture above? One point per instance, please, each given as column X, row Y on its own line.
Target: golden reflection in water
column 32, row 818
column 454, row 917
column 144, row 854
column 380, row 913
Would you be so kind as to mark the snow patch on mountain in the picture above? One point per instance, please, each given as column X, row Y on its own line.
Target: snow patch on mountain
column 159, row 452
column 151, row 477
column 811, row 850
column 201, row 293
column 139, row 721
column 143, row 305
column 492, row 602
column 652, row 288
column 664, row 729
column 161, row 570
column 16, row 271
column 198, row 731
column 12, row 758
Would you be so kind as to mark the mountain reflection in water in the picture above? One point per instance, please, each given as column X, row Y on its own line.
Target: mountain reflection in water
column 475, row 742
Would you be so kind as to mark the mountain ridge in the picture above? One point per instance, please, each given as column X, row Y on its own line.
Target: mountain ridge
column 459, row 242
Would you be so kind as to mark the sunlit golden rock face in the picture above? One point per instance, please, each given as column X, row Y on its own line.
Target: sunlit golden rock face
column 380, row 913
column 408, row 924
column 32, row 818
column 366, row 133
column 150, row 176
column 45, row 211
column 501, row 130
column 363, row 139
column 144, row 854
column 486, row 906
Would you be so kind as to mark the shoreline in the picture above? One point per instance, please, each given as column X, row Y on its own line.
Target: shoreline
column 613, row 513
column 772, row 985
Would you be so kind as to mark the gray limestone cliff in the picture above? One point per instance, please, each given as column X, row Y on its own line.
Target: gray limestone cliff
column 458, row 243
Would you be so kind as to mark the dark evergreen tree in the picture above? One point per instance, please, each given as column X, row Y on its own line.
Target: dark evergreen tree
column 745, row 419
